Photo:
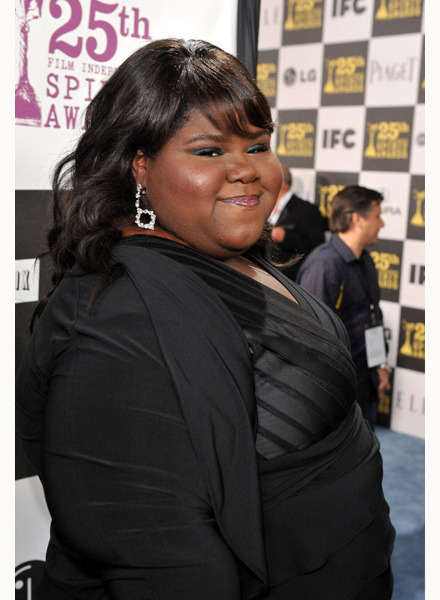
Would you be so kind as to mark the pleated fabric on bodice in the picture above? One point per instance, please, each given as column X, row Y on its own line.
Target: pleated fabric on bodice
column 304, row 378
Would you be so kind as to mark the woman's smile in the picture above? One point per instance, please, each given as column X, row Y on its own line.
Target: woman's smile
column 245, row 201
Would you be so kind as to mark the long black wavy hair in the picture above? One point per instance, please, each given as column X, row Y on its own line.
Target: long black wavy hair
column 140, row 107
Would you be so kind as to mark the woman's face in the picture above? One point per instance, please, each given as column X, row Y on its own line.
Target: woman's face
column 211, row 190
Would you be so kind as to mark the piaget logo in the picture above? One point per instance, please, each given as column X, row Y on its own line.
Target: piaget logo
column 296, row 139
column 344, row 75
column 387, row 265
column 326, row 195
column 414, row 341
column 398, row 9
column 303, row 14
column 266, row 78
column 388, row 139
column 418, row 218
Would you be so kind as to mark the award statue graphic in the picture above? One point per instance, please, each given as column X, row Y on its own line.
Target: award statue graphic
column 27, row 106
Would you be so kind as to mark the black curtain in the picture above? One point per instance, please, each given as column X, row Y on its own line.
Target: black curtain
column 248, row 20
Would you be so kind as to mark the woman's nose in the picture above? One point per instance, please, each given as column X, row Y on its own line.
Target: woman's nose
column 242, row 168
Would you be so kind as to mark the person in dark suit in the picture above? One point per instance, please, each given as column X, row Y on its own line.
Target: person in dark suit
column 298, row 226
column 342, row 274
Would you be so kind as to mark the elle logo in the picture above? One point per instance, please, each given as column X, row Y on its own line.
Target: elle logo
column 409, row 403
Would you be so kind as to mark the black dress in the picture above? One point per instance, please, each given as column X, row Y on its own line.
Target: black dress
column 164, row 477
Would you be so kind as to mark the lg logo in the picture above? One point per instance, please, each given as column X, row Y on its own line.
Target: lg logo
column 289, row 76
column 303, row 76
column 335, row 137
column 340, row 7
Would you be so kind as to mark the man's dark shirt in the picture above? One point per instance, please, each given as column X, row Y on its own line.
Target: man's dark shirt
column 334, row 274
column 305, row 229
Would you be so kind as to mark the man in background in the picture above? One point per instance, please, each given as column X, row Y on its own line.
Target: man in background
column 342, row 274
column 298, row 226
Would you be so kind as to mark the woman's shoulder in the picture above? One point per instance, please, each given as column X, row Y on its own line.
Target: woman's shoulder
column 156, row 264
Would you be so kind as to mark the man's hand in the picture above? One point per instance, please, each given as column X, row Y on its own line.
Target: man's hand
column 384, row 378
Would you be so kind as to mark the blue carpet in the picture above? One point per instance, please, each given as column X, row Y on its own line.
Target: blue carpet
column 404, row 487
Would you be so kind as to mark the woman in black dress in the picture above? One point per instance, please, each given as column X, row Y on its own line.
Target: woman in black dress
column 190, row 411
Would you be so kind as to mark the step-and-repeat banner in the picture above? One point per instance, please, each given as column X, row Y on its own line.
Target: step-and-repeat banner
column 65, row 50
column 346, row 82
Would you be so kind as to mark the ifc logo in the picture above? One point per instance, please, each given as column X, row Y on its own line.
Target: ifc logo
column 27, row 578
column 289, row 76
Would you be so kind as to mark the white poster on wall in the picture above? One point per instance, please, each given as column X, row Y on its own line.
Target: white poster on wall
column 412, row 287
column 32, row 520
column 271, row 24
column 27, row 279
column 299, row 76
column 340, row 138
column 66, row 50
column 393, row 70
column 408, row 410
column 347, row 21
column 32, row 526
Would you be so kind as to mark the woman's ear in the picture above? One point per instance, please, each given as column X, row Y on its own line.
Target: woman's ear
column 139, row 165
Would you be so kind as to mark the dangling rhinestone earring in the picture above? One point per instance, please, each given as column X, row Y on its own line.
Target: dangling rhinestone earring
column 143, row 211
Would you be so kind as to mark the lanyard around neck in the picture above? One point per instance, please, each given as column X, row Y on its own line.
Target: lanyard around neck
column 360, row 270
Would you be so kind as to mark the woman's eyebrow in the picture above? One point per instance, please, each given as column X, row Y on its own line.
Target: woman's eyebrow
column 222, row 137
column 206, row 137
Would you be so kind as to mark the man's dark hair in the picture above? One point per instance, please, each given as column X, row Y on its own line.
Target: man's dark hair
column 352, row 198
